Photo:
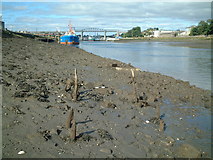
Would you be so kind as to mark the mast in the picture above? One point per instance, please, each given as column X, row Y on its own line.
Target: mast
column 71, row 30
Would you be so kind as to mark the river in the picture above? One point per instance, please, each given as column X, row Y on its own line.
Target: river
column 180, row 62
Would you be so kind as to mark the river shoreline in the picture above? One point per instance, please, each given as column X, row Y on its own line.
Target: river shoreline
column 119, row 120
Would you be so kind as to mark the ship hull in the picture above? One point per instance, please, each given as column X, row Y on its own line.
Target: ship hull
column 69, row 39
column 76, row 43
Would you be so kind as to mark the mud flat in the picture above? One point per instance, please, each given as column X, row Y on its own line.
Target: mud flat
column 132, row 113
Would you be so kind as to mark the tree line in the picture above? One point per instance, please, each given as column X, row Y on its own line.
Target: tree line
column 203, row 28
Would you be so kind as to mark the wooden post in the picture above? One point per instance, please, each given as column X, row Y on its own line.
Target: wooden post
column 161, row 126
column 73, row 130
column 68, row 85
column 158, row 112
column 70, row 118
column 134, row 85
column 75, row 92
column 133, row 75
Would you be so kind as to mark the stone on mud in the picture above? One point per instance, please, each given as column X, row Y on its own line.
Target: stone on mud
column 105, row 150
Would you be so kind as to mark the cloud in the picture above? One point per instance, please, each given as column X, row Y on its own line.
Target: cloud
column 9, row 7
column 107, row 15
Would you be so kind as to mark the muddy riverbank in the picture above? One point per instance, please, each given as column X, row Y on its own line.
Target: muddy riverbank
column 119, row 119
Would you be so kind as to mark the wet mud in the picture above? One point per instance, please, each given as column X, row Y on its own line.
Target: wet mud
column 116, row 115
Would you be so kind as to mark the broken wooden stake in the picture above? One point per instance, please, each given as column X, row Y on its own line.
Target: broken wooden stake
column 75, row 92
column 73, row 130
column 134, row 85
column 161, row 126
column 158, row 112
column 70, row 118
column 133, row 75
column 68, row 85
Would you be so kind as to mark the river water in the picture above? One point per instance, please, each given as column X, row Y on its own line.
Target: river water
column 185, row 63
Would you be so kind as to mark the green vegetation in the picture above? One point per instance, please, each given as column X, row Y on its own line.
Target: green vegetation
column 134, row 32
column 149, row 31
column 203, row 28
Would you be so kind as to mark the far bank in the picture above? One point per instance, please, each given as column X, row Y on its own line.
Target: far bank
column 193, row 42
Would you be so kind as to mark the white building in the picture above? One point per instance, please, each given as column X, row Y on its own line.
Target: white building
column 164, row 33
column 156, row 33
column 186, row 32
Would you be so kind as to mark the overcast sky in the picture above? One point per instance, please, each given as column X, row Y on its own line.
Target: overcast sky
column 106, row 15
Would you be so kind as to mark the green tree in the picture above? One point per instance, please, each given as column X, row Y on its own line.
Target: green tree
column 210, row 26
column 194, row 31
column 134, row 32
column 203, row 28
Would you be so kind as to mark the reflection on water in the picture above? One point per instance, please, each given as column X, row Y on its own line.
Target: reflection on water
column 189, row 64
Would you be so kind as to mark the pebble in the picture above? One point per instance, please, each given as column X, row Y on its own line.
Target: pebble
column 147, row 121
column 105, row 150
column 170, row 139
column 21, row 152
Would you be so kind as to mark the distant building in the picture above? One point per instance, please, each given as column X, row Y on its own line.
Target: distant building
column 186, row 32
column 163, row 33
column 156, row 33
column 2, row 27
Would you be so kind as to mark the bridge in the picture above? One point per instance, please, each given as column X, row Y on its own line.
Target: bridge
column 82, row 31
column 96, row 30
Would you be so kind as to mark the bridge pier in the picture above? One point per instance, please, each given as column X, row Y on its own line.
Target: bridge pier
column 82, row 35
column 105, row 35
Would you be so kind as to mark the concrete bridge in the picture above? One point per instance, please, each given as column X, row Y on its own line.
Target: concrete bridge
column 95, row 30
column 82, row 31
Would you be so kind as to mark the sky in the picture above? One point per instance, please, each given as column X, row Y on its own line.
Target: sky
column 52, row 16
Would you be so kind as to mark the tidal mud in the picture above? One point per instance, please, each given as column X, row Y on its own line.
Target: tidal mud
column 113, row 117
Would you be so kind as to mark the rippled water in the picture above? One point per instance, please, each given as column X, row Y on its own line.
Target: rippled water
column 188, row 64
column 190, row 124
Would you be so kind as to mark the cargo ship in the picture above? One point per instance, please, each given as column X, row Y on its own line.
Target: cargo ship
column 69, row 37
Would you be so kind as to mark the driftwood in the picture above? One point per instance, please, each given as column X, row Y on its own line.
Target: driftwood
column 75, row 92
column 126, row 69
column 70, row 118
